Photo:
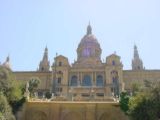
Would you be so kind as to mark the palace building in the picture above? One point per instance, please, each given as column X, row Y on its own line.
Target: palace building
column 88, row 77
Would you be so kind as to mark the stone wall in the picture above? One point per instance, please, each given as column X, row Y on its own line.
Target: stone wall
column 138, row 76
column 72, row 111
column 45, row 78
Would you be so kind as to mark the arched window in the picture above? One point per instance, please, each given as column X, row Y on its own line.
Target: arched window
column 59, row 80
column 74, row 81
column 60, row 63
column 114, row 80
column 42, row 69
column 99, row 81
column 86, row 81
column 113, row 62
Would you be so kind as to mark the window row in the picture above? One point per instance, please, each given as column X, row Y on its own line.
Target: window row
column 87, row 81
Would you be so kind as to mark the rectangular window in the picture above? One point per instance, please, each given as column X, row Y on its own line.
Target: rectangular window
column 85, row 95
column 111, row 89
column 100, row 94
column 60, row 89
column 59, row 80
column 113, row 62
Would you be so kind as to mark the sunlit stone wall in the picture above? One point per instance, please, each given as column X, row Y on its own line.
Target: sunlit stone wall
column 72, row 111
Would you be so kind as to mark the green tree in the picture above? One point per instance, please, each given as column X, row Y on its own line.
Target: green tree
column 5, row 109
column 11, row 89
column 48, row 95
column 33, row 85
column 135, row 88
column 124, row 100
column 8, row 85
column 142, row 108
column 5, row 80
column 148, row 84
column 155, row 96
column 145, row 105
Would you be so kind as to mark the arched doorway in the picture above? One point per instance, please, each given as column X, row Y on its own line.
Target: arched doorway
column 99, row 81
column 73, row 116
column 39, row 116
column 87, row 80
column 113, row 114
column 74, row 81
column 105, row 116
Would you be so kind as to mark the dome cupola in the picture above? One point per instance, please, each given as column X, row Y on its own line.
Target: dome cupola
column 89, row 49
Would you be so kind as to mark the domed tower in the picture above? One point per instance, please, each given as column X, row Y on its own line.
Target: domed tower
column 89, row 50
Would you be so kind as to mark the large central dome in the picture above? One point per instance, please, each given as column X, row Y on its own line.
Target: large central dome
column 89, row 50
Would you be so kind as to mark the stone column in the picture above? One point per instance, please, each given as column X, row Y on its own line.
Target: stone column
column 92, row 79
column 81, row 78
column 78, row 79
column 95, row 76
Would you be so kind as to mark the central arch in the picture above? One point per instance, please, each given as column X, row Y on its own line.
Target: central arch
column 73, row 116
column 87, row 80
column 39, row 116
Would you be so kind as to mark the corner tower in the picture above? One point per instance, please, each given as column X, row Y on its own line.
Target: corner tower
column 44, row 64
column 89, row 50
column 137, row 63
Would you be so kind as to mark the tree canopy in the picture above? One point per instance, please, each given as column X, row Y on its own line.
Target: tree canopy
column 33, row 84
column 10, row 90
column 5, row 109
column 145, row 104
column 124, row 100
column 8, row 85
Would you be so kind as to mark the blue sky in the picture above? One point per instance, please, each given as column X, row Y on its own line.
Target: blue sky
column 27, row 26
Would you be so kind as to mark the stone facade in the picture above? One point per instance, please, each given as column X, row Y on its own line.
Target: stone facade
column 88, row 77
